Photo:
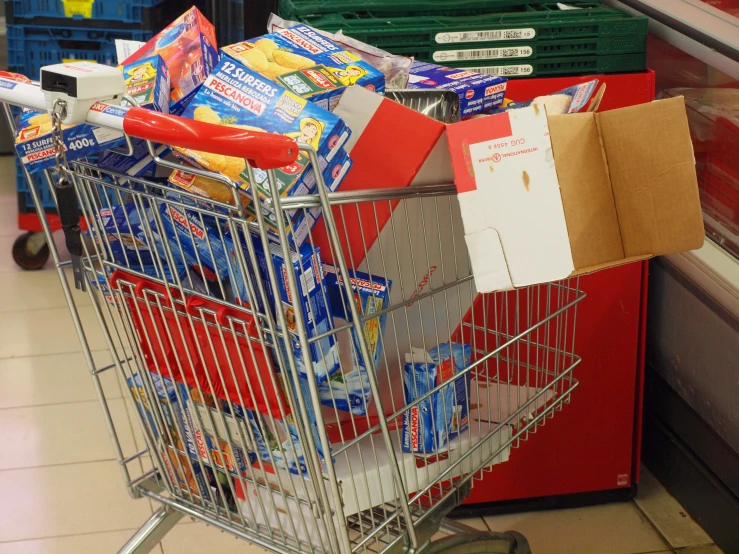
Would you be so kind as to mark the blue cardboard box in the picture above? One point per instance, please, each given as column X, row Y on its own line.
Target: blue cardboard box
column 432, row 423
column 350, row 390
column 310, row 300
column 477, row 92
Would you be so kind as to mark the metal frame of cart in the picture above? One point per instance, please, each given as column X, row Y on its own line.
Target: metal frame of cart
column 238, row 424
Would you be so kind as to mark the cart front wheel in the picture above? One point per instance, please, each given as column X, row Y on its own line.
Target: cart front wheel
column 30, row 251
column 481, row 543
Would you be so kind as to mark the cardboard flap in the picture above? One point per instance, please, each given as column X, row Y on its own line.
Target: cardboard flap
column 606, row 265
column 504, row 173
column 489, row 265
column 652, row 170
column 587, row 197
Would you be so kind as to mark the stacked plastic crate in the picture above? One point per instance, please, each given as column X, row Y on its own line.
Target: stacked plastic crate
column 44, row 32
column 511, row 38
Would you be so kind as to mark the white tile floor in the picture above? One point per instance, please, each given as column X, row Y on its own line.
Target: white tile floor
column 62, row 492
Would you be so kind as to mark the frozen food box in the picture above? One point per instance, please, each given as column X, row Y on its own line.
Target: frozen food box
column 569, row 100
column 138, row 164
column 190, row 478
column 147, row 82
column 34, row 141
column 434, row 421
column 311, row 301
column 188, row 48
column 307, row 64
column 236, row 96
column 197, row 241
column 477, row 92
column 349, row 390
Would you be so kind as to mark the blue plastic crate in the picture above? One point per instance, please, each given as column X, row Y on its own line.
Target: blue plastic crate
column 25, row 200
column 31, row 47
column 125, row 11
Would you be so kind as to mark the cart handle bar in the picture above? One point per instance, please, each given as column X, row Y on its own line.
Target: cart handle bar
column 262, row 150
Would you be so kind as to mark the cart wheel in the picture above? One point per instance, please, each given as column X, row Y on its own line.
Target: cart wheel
column 481, row 543
column 30, row 251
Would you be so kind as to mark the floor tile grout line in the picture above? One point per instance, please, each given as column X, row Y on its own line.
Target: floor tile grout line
column 80, row 351
column 132, row 529
column 61, row 403
column 65, row 464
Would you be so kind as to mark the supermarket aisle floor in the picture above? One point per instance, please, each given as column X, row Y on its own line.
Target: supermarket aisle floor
column 62, row 492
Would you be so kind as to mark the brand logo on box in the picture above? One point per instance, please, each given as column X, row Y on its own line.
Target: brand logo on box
column 227, row 91
column 40, row 155
column 460, row 75
column 469, row 94
column 414, row 428
column 30, row 132
column 286, row 284
column 184, row 222
column 299, row 41
column 181, row 178
column 318, row 78
column 493, row 89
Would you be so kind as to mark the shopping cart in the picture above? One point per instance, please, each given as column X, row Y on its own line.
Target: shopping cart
column 301, row 432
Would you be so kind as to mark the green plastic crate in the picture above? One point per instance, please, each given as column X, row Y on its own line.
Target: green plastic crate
column 485, row 31
column 601, row 46
column 558, row 67
column 294, row 9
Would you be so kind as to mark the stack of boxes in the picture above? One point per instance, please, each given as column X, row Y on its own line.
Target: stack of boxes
column 507, row 38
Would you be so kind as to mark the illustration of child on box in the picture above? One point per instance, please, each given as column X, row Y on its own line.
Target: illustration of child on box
column 140, row 74
column 348, row 75
column 310, row 132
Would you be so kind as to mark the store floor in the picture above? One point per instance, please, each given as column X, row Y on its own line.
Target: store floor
column 62, row 491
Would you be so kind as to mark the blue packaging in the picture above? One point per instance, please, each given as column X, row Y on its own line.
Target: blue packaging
column 236, row 96
column 126, row 237
column 569, row 100
column 209, row 251
column 147, row 82
column 142, row 404
column 312, row 303
column 351, row 391
column 34, row 144
column 432, row 423
column 477, row 92
column 301, row 222
column 306, row 63
column 139, row 164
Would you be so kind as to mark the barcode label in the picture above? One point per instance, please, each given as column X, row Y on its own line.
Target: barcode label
column 307, row 281
column 483, row 54
column 479, row 36
column 504, row 70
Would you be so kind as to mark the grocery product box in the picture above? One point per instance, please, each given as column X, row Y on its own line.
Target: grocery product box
column 197, row 241
column 349, row 390
column 306, row 63
column 34, row 142
column 188, row 48
column 147, row 82
column 429, row 425
column 138, row 164
column 310, row 300
column 236, row 96
column 477, row 92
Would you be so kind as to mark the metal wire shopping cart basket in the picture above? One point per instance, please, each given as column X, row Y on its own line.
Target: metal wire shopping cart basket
column 343, row 397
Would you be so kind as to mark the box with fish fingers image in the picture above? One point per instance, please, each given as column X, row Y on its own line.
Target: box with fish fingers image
column 311, row 300
column 234, row 95
column 306, row 63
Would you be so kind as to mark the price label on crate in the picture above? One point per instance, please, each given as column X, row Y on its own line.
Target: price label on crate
column 504, row 70
column 480, row 36
column 483, row 54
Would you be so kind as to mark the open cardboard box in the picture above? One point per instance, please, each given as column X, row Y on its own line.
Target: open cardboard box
column 541, row 198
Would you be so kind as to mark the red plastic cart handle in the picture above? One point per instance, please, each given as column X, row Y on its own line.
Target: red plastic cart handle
column 262, row 150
